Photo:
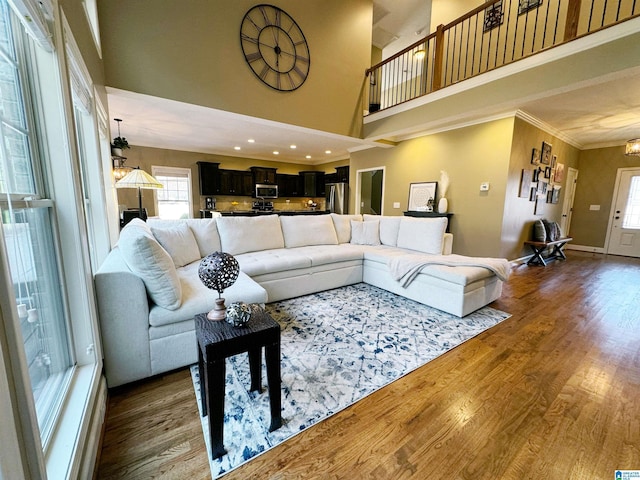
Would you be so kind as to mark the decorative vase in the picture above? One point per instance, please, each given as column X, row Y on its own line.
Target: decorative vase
column 443, row 205
column 116, row 152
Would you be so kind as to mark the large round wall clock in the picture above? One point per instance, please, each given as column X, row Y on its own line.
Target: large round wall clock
column 275, row 47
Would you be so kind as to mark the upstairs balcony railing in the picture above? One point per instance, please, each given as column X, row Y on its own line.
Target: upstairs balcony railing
column 495, row 34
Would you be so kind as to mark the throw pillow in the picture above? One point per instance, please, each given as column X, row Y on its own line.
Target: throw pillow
column 342, row 223
column 552, row 230
column 147, row 259
column 365, row 233
column 179, row 242
column 389, row 226
column 539, row 231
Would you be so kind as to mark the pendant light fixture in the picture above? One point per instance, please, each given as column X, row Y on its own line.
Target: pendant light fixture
column 633, row 147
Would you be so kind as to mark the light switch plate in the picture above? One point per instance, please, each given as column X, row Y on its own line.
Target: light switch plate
column 396, row 204
column 484, row 187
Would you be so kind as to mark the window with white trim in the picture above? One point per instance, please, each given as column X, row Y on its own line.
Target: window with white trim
column 30, row 239
column 174, row 200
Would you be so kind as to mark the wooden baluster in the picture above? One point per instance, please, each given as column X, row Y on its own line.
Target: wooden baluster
column 438, row 65
column 573, row 16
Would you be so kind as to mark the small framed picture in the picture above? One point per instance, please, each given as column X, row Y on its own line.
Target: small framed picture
column 535, row 157
column 422, row 196
column 525, row 183
column 554, row 160
column 547, row 172
column 533, row 193
column 539, row 207
column 545, row 154
column 525, row 5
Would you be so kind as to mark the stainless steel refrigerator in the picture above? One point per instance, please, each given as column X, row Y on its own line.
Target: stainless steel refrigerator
column 337, row 197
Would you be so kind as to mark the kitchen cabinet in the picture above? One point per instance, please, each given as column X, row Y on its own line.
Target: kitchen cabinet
column 208, row 173
column 312, row 184
column 288, row 185
column 264, row 175
column 234, row 182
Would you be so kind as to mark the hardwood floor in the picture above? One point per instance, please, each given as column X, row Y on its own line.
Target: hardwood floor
column 550, row 393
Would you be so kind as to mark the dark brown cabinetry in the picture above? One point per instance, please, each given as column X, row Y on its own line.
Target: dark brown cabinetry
column 234, row 182
column 312, row 184
column 208, row 173
column 264, row 175
column 288, row 185
column 341, row 175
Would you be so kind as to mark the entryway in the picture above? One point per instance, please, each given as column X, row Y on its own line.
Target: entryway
column 623, row 237
column 370, row 191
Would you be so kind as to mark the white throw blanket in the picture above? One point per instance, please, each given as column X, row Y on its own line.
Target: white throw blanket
column 404, row 268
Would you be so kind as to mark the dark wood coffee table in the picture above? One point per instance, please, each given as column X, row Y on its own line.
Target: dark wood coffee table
column 218, row 340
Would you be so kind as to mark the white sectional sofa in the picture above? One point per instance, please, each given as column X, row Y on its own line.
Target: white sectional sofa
column 148, row 288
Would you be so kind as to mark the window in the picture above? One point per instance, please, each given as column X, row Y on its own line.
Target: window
column 30, row 241
column 174, row 200
column 632, row 211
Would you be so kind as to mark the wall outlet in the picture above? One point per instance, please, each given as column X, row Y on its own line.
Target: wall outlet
column 594, row 207
column 396, row 204
column 484, row 187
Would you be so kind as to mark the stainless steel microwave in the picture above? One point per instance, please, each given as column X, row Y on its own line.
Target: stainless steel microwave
column 266, row 191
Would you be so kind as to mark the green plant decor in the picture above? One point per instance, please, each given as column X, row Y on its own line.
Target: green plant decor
column 120, row 142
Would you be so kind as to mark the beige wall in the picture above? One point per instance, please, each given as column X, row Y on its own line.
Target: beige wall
column 74, row 13
column 596, row 182
column 146, row 157
column 446, row 11
column 470, row 156
column 519, row 212
column 191, row 52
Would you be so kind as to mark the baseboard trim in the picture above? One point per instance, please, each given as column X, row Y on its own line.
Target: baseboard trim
column 585, row 248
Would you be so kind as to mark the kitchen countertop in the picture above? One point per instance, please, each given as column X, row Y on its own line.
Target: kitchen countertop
column 247, row 213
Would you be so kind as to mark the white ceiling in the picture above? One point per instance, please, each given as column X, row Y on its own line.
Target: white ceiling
column 592, row 116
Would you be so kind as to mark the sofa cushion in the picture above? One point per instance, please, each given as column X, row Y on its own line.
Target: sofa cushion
column 422, row 234
column 147, row 259
column 328, row 254
column 249, row 234
column 365, row 233
column 389, row 227
column 204, row 230
column 269, row 261
column 179, row 242
column 342, row 224
column 303, row 230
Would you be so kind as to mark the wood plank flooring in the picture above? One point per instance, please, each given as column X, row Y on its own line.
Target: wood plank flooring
column 551, row 393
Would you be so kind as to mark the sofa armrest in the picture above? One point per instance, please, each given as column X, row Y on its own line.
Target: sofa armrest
column 447, row 244
column 123, row 311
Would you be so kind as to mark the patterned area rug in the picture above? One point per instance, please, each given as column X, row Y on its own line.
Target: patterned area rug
column 338, row 346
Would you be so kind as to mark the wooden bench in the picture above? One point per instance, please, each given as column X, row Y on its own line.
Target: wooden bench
column 538, row 249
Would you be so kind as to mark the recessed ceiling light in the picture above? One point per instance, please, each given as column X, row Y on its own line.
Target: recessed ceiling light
column 327, row 152
column 251, row 140
column 236, row 148
column 293, row 147
column 308, row 157
column 275, row 152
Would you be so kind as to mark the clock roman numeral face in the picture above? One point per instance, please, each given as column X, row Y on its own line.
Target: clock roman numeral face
column 274, row 47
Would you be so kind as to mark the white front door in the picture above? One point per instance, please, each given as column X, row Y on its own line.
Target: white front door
column 624, row 226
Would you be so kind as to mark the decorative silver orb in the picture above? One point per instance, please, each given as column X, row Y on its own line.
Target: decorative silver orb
column 238, row 314
column 218, row 271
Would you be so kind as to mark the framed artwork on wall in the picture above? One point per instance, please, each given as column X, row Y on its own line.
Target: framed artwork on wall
column 422, row 196
column 545, row 154
column 558, row 176
column 535, row 157
column 525, row 182
column 525, row 5
column 493, row 16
